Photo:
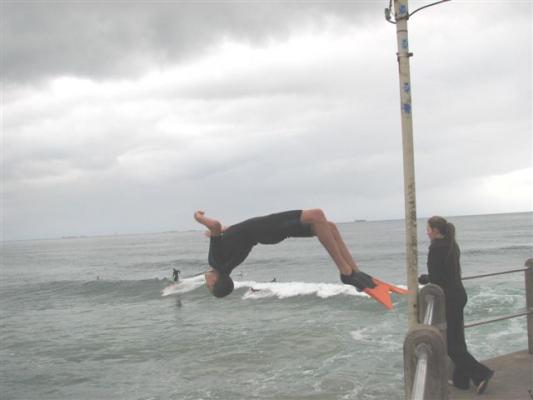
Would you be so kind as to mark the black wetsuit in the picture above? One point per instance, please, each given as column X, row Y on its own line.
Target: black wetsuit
column 446, row 273
column 176, row 274
column 231, row 248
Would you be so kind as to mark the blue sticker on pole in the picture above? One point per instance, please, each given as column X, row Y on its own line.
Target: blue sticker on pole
column 403, row 9
column 405, row 44
column 406, row 107
column 406, row 87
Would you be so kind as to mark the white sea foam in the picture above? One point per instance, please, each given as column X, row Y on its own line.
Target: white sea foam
column 184, row 285
column 359, row 334
column 260, row 290
column 283, row 290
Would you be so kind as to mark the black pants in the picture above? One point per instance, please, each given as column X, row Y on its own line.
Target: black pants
column 466, row 366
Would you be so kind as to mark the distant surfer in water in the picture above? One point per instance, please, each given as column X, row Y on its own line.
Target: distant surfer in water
column 230, row 246
column 176, row 274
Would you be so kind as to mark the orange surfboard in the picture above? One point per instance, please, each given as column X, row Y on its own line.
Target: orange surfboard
column 382, row 292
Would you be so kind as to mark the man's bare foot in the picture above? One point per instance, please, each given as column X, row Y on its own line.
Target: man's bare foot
column 199, row 215
column 213, row 225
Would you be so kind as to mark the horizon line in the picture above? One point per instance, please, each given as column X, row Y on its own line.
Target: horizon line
column 357, row 220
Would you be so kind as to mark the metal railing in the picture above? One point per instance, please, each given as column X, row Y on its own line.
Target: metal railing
column 425, row 354
column 424, row 348
column 528, row 278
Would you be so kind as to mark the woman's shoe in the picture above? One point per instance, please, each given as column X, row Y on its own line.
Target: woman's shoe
column 482, row 386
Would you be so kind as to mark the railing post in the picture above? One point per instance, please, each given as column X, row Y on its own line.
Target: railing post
column 528, row 276
column 439, row 307
column 425, row 342
column 422, row 352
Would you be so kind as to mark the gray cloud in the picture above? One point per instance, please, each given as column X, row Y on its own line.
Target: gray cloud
column 165, row 120
column 113, row 39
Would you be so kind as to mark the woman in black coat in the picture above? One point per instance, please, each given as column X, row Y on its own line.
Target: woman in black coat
column 444, row 269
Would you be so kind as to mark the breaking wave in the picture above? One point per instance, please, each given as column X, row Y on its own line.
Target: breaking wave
column 261, row 290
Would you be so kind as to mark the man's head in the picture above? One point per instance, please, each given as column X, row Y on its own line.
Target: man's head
column 220, row 285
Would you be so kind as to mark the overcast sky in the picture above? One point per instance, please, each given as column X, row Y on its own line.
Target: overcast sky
column 125, row 117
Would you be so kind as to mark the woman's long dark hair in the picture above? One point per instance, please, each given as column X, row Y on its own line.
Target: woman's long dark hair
column 447, row 230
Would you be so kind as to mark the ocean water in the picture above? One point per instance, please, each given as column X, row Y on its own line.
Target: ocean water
column 95, row 318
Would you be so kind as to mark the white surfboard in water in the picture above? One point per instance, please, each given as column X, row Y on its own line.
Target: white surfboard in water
column 183, row 285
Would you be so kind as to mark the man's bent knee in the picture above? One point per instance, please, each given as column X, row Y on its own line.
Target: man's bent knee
column 315, row 215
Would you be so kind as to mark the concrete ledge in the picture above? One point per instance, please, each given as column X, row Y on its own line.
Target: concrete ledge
column 513, row 378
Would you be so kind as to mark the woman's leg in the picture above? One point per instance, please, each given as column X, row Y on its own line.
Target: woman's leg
column 466, row 366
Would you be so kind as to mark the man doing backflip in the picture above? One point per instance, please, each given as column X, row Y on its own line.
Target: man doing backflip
column 230, row 246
